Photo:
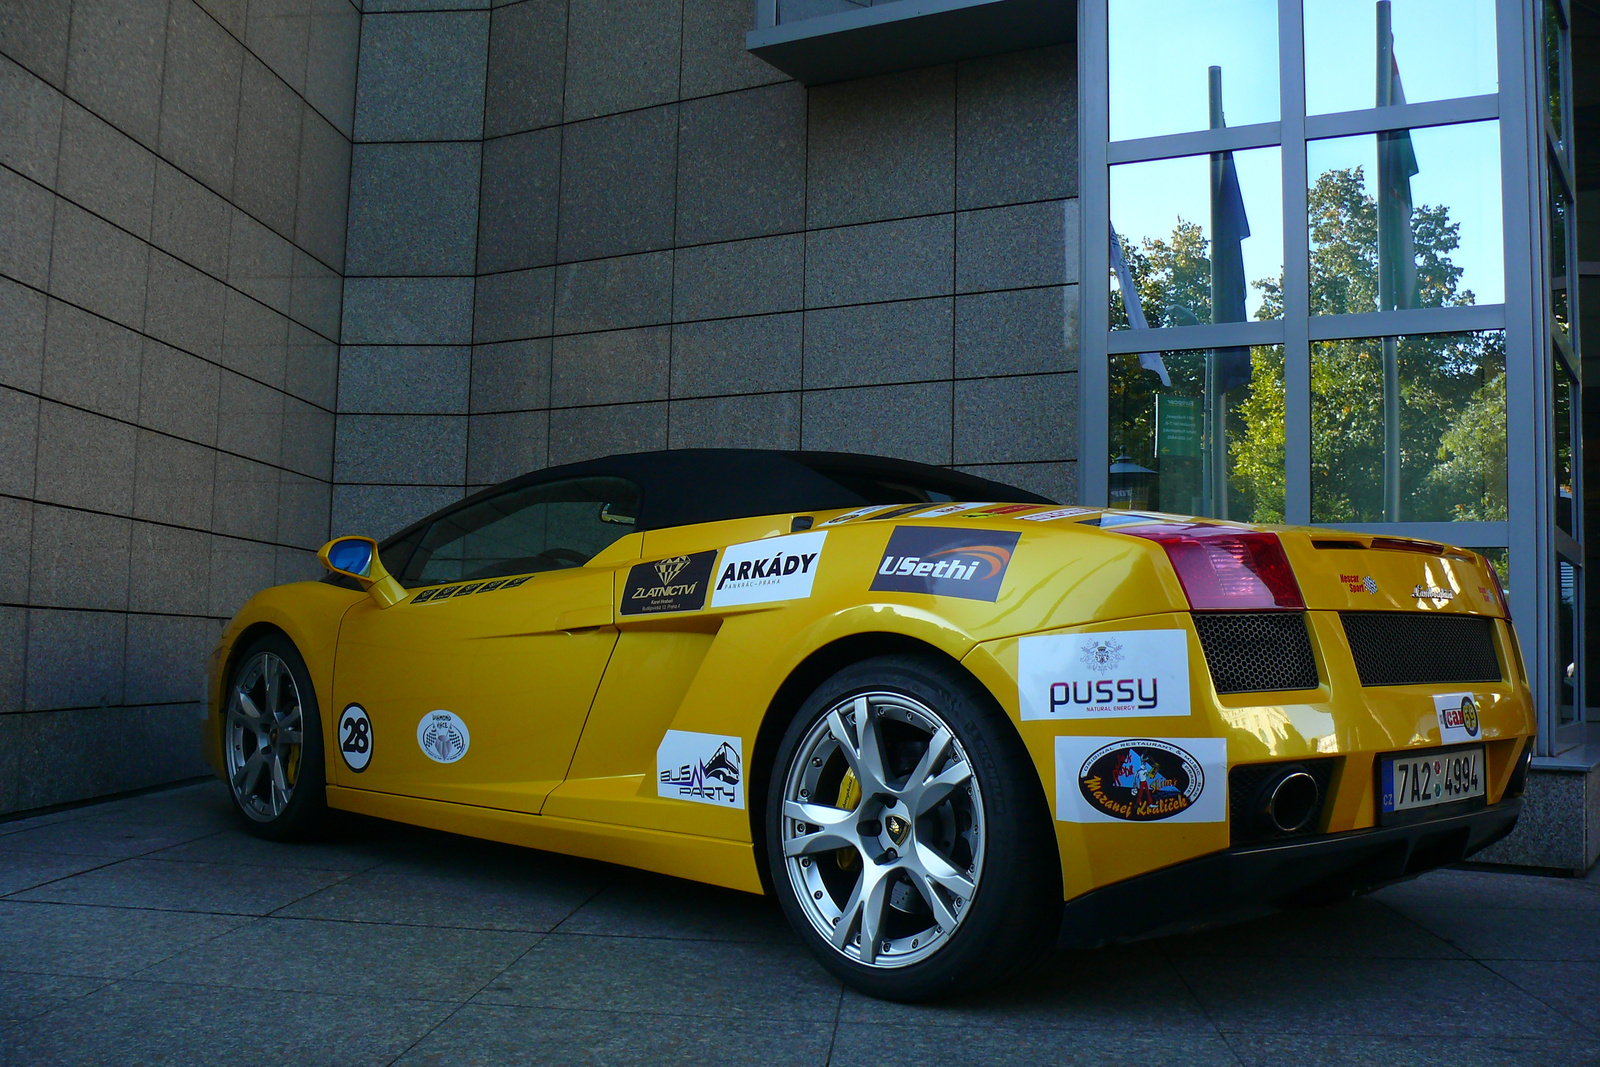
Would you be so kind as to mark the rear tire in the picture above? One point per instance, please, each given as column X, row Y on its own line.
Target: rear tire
column 272, row 749
column 908, row 837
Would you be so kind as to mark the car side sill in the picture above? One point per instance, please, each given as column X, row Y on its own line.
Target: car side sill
column 731, row 864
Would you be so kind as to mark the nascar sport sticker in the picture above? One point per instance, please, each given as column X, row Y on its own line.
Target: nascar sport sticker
column 355, row 738
column 443, row 737
column 1124, row 674
column 1458, row 717
column 970, row 564
column 704, row 768
column 1141, row 779
column 761, row 572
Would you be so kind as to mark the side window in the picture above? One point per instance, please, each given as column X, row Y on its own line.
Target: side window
column 535, row 528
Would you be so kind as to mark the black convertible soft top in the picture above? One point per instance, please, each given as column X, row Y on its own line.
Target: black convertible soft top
column 678, row 487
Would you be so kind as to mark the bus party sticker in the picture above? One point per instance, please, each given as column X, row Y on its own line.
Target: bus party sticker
column 705, row 768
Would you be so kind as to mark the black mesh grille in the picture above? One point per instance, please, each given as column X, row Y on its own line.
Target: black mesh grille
column 1257, row 652
column 1419, row 648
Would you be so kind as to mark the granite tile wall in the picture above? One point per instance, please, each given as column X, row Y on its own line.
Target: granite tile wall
column 173, row 181
column 254, row 298
column 584, row 227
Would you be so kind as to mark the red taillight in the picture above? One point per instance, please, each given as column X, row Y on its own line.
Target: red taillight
column 1499, row 590
column 1225, row 569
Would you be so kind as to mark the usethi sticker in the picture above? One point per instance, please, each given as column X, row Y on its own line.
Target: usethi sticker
column 1123, row 674
column 705, row 768
column 1141, row 779
column 443, row 737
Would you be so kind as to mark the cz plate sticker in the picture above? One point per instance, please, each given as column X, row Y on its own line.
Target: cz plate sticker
column 1124, row 674
column 705, row 768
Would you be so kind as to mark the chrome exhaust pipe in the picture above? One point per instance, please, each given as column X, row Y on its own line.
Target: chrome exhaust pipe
column 1292, row 801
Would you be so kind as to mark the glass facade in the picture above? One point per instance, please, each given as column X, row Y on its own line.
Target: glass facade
column 1452, row 429
column 1449, row 250
column 1322, row 303
column 1448, row 47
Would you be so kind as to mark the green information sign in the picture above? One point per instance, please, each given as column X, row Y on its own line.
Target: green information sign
column 1177, row 426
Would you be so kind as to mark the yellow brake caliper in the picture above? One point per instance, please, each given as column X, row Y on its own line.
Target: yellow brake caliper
column 849, row 797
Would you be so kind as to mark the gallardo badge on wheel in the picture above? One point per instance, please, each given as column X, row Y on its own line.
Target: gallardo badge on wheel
column 707, row 768
column 443, row 737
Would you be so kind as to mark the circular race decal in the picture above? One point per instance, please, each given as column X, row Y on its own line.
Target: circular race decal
column 355, row 738
column 1141, row 780
column 1469, row 715
column 443, row 737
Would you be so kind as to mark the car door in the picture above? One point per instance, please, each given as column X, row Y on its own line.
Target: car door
column 474, row 689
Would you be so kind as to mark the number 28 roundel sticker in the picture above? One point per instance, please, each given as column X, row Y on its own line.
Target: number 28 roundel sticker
column 355, row 738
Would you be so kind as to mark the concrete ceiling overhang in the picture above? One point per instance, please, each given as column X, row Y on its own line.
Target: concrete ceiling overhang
column 906, row 34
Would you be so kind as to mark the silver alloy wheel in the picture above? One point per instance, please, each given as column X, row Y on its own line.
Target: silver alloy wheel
column 262, row 736
column 882, row 829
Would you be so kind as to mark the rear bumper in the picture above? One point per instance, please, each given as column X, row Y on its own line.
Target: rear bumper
column 1248, row 880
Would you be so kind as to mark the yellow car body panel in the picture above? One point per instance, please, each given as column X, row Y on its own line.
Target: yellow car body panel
column 309, row 613
column 569, row 696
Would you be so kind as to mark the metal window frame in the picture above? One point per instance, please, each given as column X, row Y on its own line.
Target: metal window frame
column 1526, row 148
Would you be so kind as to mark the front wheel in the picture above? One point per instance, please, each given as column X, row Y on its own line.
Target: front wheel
column 272, row 741
column 907, row 833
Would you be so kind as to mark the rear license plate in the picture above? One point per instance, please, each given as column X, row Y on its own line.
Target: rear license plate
column 1411, row 782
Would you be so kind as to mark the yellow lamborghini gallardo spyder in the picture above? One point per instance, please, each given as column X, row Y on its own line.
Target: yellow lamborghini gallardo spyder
column 945, row 721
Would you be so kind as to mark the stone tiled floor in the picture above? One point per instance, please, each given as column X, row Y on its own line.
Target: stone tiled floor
column 151, row 930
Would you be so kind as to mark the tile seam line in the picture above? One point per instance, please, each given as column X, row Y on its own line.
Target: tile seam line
column 200, row 985
column 1557, row 1008
column 677, row 185
column 1200, row 1005
column 955, row 255
column 159, row 157
column 304, row 100
column 88, row 707
column 110, row 862
column 218, row 449
column 1043, row 287
column 803, row 231
column 635, row 110
column 149, row 243
column 703, row 396
column 172, row 526
column 141, row 333
column 468, row 999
